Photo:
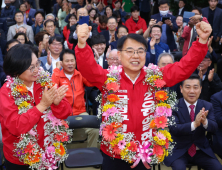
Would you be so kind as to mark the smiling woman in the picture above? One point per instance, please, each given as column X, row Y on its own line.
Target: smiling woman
column 23, row 106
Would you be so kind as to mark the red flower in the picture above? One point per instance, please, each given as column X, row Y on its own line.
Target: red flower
column 157, row 150
column 161, row 122
column 116, row 150
column 62, row 137
column 112, row 86
column 112, row 98
column 65, row 124
column 159, row 83
column 109, row 133
column 29, row 148
column 132, row 147
column 167, row 143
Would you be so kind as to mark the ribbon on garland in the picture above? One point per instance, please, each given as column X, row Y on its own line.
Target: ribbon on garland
column 143, row 153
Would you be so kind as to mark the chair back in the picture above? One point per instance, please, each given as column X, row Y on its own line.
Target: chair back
column 83, row 121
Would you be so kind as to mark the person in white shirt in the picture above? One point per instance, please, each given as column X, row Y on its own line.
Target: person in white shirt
column 98, row 43
column 182, row 8
column 55, row 48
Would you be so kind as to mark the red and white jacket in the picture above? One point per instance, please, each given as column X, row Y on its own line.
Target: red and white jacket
column 138, row 109
column 13, row 124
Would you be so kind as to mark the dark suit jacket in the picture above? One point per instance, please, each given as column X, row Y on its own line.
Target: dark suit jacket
column 2, row 74
column 113, row 45
column 43, row 62
column 182, row 12
column 73, row 29
column 150, row 58
column 105, row 64
column 184, row 137
column 170, row 38
column 107, row 37
column 32, row 13
column 216, row 100
column 217, row 24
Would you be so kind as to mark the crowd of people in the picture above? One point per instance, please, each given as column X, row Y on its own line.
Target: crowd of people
column 128, row 33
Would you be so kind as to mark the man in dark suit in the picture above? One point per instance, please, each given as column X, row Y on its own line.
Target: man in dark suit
column 182, row 8
column 213, row 15
column 110, row 34
column 193, row 118
column 216, row 100
column 30, row 10
column 168, row 27
column 73, row 35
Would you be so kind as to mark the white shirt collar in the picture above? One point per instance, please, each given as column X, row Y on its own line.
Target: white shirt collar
column 30, row 88
column 188, row 105
column 133, row 81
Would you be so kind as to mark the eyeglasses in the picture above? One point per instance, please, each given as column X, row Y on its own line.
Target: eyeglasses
column 17, row 16
column 32, row 68
column 21, row 39
column 113, row 59
column 131, row 52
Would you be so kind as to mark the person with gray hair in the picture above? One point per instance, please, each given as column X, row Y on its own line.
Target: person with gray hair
column 165, row 59
column 112, row 57
column 50, row 16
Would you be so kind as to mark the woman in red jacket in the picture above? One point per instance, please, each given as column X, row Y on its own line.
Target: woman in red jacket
column 66, row 30
column 31, row 109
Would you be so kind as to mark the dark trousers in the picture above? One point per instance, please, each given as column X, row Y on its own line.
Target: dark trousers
column 118, row 164
column 11, row 166
column 200, row 158
column 92, row 93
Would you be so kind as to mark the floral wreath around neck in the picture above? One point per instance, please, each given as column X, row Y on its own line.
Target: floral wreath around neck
column 57, row 133
column 118, row 143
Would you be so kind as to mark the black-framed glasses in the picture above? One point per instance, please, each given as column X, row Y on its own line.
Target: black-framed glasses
column 32, row 67
column 131, row 52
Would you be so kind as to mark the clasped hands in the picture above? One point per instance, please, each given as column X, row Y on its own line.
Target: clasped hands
column 50, row 96
column 201, row 118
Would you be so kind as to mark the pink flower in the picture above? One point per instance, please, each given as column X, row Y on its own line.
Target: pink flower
column 153, row 67
column 110, row 112
column 109, row 133
column 117, row 68
column 121, row 144
column 32, row 132
column 160, row 111
column 51, row 149
column 161, row 136
column 159, row 83
column 112, row 86
column 168, row 112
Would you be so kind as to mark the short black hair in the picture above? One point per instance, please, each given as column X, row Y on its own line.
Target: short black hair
column 179, row 16
column 22, row 4
column 193, row 77
column 10, row 42
column 183, row 1
column 21, row 33
column 103, row 19
column 134, row 8
column 17, row 60
column 117, row 2
column 96, row 16
column 47, row 21
column 156, row 26
column 161, row 2
column 39, row 12
column 17, row 12
column 121, row 26
column 136, row 37
column 56, row 38
column 116, row 14
column 27, row 1
column 98, row 39
column 66, row 51
column 92, row 9
column 72, row 15
column 198, row 9
column 111, row 18
column 40, row 36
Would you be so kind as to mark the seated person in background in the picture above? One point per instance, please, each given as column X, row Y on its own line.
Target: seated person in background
column 73, row 36
column 121, row 31
column 110, row 34
column 55, row 48
column 66, row 31
column 189, row 31
column 177, row 35
column 26, row 20
column 101, row 8
column 42, row 41
column 50, row 16
column 8, row 11
column 30, row 11
column 163, row 60
column 156, row 46
column 9, row 45
column 102, row 23
column 211, row 82
column 22, row 38
column 216, row 101
column 62, row 13
column 38, row 24
column 50, row 27
column 193, row 118
column 112, row 58
column 75, row 95
column 136, row 24
column 19, row 17
column 168, row 27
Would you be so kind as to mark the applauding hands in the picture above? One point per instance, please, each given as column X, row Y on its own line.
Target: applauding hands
column 201, row 118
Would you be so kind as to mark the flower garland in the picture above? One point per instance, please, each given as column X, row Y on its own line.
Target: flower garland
column 123, row 144
column 56, row 131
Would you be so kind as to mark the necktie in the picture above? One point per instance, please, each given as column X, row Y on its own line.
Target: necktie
column 192, row 149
